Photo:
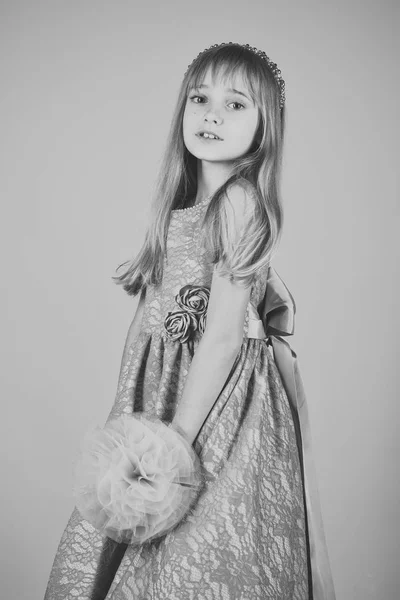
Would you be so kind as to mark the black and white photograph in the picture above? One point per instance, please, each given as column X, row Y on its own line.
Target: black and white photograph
column 200, row 250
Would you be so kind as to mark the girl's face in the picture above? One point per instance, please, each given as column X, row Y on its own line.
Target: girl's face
column 226, row 111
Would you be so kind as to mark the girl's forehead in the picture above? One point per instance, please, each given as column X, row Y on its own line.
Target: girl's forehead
column 223, row 78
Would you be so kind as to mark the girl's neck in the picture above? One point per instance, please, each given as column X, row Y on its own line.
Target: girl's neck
column 210, row 176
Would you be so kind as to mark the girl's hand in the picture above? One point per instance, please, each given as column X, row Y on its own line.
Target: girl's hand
column 118, row 465
column 182, row 432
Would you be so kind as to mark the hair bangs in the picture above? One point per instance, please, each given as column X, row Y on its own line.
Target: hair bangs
column 226, row 64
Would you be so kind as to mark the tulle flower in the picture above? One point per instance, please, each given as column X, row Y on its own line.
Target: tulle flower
column 136, row 478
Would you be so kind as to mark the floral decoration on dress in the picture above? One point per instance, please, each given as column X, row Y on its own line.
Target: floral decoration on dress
column 192, row 314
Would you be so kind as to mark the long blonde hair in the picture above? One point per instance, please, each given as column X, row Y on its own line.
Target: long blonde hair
column 177, row 179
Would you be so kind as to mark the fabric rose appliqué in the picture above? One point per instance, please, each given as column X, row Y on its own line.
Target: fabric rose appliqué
column 193, row 303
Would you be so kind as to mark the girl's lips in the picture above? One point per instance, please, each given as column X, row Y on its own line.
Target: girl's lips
column 208, row 139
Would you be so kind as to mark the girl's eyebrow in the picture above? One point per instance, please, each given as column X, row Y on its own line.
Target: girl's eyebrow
column 203, row 85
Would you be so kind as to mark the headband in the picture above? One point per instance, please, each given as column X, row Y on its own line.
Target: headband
column 273, row 66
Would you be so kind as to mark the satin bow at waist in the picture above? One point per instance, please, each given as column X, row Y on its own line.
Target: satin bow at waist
column 277, row 320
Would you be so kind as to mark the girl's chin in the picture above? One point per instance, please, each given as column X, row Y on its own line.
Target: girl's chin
column 211, row 153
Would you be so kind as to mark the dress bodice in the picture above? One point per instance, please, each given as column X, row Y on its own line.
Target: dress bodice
column 184, row 264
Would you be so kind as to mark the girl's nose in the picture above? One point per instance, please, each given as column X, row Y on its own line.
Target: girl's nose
column 212, row 116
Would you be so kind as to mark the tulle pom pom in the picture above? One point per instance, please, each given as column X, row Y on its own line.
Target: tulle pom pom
column 136, row 478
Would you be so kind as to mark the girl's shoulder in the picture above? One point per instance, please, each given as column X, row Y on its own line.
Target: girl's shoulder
column 241, row 198
column 247, row 186
column 242, row 189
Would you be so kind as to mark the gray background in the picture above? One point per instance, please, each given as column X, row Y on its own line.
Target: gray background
column 87, row 93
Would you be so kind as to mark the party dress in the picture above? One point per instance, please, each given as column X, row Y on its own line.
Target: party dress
column 256, row 531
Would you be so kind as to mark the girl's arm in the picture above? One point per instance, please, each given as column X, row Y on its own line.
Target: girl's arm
column 214, row 356
column 223, row 336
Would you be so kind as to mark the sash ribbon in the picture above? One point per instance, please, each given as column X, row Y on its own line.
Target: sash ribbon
column 277, row 320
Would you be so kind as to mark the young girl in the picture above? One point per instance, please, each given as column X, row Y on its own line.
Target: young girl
column 205, row 355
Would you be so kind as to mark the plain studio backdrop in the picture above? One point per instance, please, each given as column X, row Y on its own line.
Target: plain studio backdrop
column 87, row 94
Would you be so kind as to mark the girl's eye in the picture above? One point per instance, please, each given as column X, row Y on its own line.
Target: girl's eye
column 193, row 98
column 238, row 104
column 202, row 98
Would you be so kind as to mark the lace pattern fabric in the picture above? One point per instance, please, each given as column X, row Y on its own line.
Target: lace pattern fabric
column 185, row 263
column 245, row 538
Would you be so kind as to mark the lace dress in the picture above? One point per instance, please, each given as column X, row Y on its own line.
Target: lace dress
column 247, row 538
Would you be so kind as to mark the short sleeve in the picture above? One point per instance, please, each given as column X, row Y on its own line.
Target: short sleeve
column 238, row 230
column 238, row 214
